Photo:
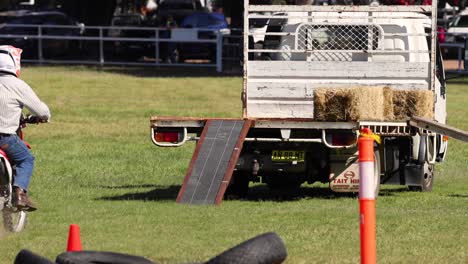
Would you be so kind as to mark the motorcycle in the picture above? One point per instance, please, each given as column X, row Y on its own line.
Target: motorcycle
column 14, row 220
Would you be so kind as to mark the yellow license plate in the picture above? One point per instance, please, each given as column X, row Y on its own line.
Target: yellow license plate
column 287, row 155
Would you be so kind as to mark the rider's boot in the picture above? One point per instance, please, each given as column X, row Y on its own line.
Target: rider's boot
column 21, row 200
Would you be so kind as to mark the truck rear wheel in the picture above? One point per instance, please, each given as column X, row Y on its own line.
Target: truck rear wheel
column 427, row 180
column 427, row 174
column 377, row 170
column 239, row 185
column 284, row 182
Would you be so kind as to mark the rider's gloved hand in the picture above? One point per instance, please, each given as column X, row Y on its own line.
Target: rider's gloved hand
column 36, row 119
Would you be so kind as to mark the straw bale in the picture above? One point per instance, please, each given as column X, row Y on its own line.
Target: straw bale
column 367, row 103
column 331, row 104
column 371, row 104
column 351, row 104
column 388, row 104
column 408, row 103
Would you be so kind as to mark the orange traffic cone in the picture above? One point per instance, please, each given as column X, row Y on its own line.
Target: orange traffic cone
column 74, row 242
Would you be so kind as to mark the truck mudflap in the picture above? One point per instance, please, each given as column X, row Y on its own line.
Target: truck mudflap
column 344, row 171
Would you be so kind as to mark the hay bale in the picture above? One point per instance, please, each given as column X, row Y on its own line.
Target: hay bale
column 366, row 103
column 408, row 103
column 389, row 112
column 371, row 104
column 330, row 104
column 350, row 104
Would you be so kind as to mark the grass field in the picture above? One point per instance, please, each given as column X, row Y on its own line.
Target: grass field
column 96, row 167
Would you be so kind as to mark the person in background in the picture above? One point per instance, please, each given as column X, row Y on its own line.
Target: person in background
column 169, row 48
column 14, row 95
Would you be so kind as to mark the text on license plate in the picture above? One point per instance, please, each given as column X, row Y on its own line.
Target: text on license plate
column 287, row 155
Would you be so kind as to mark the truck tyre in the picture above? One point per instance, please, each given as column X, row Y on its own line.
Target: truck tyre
column 239, row 185
column 422, row 150
column 99, row 257
column 377, row 171
column 267, row 248
column 283, row 182
column 427, row 178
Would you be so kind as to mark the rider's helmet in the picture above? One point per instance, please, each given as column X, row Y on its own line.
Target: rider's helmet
column 10, row 60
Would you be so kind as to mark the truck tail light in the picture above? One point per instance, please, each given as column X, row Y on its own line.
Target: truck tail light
column 169, row 137
column 339, row 138
column 343, row 139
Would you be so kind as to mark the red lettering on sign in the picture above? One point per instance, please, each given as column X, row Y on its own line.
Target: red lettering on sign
column 349, row 174
column 340, row 181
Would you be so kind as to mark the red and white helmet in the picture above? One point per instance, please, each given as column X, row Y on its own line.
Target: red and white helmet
column 10, row 59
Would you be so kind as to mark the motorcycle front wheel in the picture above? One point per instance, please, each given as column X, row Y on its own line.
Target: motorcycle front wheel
column 14, row 220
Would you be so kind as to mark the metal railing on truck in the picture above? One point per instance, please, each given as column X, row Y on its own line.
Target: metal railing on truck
column 97, row 43
column 308, row 47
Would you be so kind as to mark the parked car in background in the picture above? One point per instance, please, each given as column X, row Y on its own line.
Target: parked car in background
column 177, row 10
column 207, row 24
column 458, row 28
column 205, row 21
column 129, row 50
column 14, row 34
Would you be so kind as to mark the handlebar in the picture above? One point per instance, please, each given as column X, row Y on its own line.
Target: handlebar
column 32, row 119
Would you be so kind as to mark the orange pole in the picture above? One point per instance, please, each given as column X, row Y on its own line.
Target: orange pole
column 367, row 199
column 367, row 229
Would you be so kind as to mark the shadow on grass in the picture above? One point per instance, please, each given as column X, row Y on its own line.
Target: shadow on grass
column 458, row 195
column 168, row 72
column 256, row 193
column 159, row 193
column 155, row 71
column 263, row 193
column 456, row 78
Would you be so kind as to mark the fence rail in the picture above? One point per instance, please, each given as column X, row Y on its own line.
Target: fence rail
column 142, row 46
column 113, row 45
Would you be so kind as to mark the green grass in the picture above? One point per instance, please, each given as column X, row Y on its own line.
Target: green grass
column 96, row 167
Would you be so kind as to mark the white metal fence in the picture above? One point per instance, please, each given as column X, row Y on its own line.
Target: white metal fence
column 140, row 46
column 111, row 45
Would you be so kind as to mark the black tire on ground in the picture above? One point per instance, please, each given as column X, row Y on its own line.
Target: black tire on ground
column 267, row 248
column 99, row 257
column 27, row 257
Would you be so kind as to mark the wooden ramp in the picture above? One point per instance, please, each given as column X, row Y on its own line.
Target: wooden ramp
column 213, row 161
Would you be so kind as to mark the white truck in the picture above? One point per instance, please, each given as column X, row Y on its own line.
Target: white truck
column 323, row 74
